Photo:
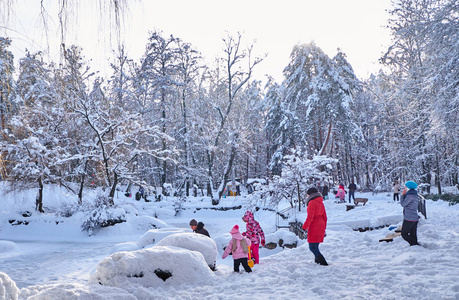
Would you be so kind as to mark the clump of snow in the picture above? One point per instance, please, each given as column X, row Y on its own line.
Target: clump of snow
column 195, row 242
column 8, row 288
column 145, row 268
column 153, row 236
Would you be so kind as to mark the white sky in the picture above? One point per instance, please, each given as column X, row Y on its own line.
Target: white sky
column 355, row 26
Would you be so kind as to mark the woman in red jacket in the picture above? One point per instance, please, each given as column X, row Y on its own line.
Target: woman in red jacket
column 315, row 223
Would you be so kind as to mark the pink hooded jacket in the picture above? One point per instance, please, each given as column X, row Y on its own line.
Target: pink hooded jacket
column 237, row 236
column 341, row 192
column 253, row 229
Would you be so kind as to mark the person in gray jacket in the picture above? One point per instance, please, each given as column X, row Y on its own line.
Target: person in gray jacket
column 410, row 201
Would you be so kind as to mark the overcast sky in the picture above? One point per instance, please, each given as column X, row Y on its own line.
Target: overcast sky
column 355, row 26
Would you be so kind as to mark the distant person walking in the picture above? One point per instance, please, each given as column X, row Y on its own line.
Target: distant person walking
column 239, row 247
column 198, row 227
column 315, row 224
column 410, row 201
column 325, row 191
column 396, row 190
column 352, row 188
column 254, row 233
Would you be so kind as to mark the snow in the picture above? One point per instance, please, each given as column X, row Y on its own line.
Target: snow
column 52, row 258
column 130, row 269
column 194, row 242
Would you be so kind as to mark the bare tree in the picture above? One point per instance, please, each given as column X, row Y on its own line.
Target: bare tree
column 236, row 79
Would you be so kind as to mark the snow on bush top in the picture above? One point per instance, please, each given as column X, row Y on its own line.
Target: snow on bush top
column 144, row 267
column 195, row 242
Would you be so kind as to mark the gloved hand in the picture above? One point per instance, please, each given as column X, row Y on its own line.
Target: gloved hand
column 263, row 242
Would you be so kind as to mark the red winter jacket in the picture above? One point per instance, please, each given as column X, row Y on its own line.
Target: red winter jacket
column 316, row 221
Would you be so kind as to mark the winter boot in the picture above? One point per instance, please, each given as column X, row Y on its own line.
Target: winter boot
column 316, row 261
column 322, row 260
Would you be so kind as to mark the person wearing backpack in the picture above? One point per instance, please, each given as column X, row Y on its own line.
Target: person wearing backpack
column 239, row 247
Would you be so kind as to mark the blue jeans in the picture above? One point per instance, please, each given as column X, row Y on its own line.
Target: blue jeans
column 351, row 194
column 314, row 247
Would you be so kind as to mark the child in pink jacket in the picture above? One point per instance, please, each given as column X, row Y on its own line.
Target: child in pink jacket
column 341, row 193
column 239, row 247
column 254, row 233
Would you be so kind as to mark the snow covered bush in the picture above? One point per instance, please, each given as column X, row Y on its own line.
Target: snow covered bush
column 195, row 242
column 8, row 288
column 152, row 267
column 103, row 215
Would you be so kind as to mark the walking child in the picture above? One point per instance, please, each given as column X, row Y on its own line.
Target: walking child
column 341, row 194
column 239, row 247
column 254, row 233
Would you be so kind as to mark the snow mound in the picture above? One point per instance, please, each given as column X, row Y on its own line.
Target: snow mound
column 287, row 237
column 152, row 267
column 127, row 246
column 153, row 236
column 8, row 288
column 194, row 242
column 74, row 292
column 6, row 246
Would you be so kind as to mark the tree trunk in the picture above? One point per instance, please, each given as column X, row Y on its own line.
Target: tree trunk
column 322, row 151
column 163, row 130
column 438, row 175
column 111, row 196
column 229, row 166
column 299, row 195
column 39, row 201
column 80, row 192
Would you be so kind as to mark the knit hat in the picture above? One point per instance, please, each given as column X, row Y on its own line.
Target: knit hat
column 193, row 223
column 311, row 191
column 235, row 229
column 411, row 185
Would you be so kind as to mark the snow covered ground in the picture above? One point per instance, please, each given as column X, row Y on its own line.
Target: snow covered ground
column 52, row 258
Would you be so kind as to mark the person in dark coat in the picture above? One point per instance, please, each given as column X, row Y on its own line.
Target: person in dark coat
column 198, row 227
column 325, row 191
column 410, row 202
column 352, row 188
column 316, row 223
